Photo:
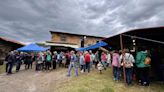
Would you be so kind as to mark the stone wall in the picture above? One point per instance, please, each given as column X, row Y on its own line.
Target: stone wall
column 4, row 50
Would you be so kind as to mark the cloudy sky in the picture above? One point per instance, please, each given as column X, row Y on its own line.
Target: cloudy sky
column 31, row 20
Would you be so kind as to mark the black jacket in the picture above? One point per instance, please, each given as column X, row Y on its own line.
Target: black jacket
column 11, row 58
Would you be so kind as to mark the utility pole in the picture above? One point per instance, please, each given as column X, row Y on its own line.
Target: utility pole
column 121, row 45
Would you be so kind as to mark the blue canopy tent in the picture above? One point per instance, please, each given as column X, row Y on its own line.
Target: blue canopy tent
column 80, row 49
column 97, row 45
column 31, row 48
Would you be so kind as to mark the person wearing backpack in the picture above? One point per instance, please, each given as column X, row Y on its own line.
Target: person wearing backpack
column 127, row 62
column 48, row 60
column 143, row 66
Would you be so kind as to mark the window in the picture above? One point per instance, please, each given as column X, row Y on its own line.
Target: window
column 63, row 38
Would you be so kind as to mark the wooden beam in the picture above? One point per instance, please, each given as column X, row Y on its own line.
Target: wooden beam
column 121, row 45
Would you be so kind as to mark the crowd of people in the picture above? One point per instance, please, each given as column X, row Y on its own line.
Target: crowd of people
column 42, row 60
column 120, row 62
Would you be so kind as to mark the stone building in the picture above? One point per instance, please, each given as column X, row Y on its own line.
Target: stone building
column 65, row 41
column 7, row 45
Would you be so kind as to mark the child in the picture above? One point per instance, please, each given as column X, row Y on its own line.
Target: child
column 100, row 67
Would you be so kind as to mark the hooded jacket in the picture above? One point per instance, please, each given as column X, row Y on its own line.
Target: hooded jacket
column 140, row 59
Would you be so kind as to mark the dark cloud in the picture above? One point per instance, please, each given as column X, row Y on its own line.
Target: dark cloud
column 31, row 20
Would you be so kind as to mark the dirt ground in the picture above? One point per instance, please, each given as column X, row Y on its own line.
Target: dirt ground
column 57, row 81
column 32, row 81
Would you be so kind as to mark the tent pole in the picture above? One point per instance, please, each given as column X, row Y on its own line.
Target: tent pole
column 121, row 42
column 121, row 45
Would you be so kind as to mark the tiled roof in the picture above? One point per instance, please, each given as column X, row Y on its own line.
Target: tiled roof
column 12, row 41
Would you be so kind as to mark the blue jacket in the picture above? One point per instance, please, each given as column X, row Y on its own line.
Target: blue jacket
column 73, row 58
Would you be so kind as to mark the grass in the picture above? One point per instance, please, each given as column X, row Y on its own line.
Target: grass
column 95, row 82
column 2, row 68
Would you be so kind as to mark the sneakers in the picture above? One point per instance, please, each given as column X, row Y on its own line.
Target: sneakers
column 68, row 75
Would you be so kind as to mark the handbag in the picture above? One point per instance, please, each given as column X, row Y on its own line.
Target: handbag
column 127, row 64
column 147, row 61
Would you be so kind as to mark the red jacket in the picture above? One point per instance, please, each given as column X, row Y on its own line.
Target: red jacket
column 87, row 58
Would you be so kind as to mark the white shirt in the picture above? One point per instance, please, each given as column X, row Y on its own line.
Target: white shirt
column 108, row 58
column 128, row 57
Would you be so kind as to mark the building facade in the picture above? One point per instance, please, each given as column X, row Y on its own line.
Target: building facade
column 7, row 45
column 70, row 40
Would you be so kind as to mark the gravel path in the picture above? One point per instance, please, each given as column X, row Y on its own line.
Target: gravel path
column 32, row 81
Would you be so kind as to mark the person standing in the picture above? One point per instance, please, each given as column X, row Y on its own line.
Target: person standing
column 116, row 65
column 10, row 59
column 63, row 60
column 26, row 60
column 142, row 68
column 82, row 63
column 54, row 59
column 87, row 59
column 30, row 61
column 68, row 57
column 48, row 60
column 104, row 59
column 59, row 59
column 39, row 61
column 96, row 58
column 108, row 59
column 92, row 59
column 128, row 61
column 72, row 64
column 19, row 59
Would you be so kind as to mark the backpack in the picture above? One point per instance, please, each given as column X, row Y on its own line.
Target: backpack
column 48, row 58
column 147, row 61
column 128, row 64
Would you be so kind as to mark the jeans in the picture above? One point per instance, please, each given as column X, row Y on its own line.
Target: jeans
column 82, row 67
column 88, row 66
column 18, row 65
column 143, row 75
column 128, row 73
column 104, row 64
column 72, row 65
column 30, row 65
column 116, row 73
column 9, row 67
column 54, row 64
column 48, row 65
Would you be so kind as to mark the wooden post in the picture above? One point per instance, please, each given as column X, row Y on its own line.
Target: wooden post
column 121, row 44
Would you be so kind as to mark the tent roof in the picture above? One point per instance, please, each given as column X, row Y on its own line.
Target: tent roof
column 48, row 43
column 97, row 45
column 31, row 48
column 154, row 33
